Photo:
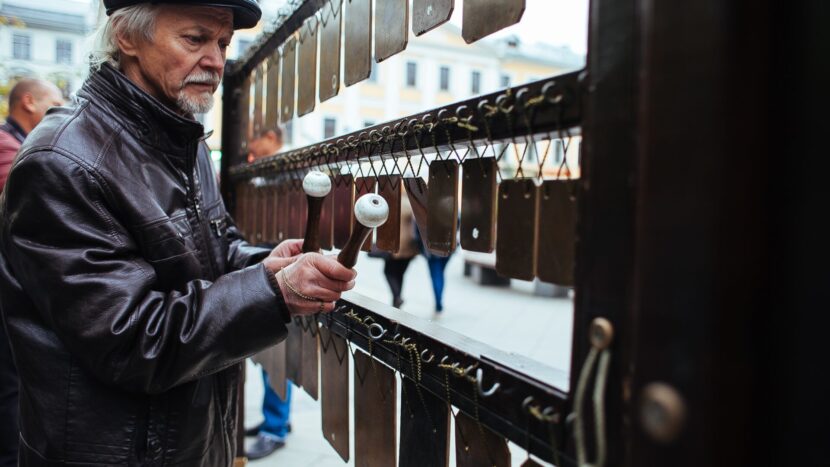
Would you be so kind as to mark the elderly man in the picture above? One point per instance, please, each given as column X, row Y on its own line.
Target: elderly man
column 127, row 293
column 28, row 101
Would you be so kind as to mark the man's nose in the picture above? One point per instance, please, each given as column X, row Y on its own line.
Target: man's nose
column 213, row 59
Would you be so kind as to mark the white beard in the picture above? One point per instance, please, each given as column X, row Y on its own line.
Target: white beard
column 197, row 105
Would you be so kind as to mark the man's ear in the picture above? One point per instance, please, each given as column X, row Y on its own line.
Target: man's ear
column 127, row 46
column 27, row 101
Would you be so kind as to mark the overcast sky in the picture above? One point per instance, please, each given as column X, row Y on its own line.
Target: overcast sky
column 557, row 22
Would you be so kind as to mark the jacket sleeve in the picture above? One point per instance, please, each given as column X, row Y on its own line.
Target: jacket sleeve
column 88, row 282
column 241, row 254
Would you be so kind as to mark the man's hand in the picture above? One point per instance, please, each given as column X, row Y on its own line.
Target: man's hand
column 284, row 254
column 313, row 282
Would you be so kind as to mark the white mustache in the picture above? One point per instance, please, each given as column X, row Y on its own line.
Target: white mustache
column 202, row 77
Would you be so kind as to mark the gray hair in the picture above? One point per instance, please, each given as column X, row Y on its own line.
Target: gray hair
column 135, row 22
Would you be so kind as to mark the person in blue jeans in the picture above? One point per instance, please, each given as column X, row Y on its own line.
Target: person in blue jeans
column 272, row 431
column 437, row 265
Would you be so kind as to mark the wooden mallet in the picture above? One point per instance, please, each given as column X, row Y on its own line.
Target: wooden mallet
column 370, row 211
column 317, row 186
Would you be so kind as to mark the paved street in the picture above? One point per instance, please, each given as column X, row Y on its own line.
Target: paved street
column 511, row 319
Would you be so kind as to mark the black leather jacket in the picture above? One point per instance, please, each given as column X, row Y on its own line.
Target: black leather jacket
column 129, row 297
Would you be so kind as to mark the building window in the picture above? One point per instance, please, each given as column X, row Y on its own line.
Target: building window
column 411, row 74
column 329, row 127
column 21, row 47
column 373, row 74
column 505, row 81
column 63, row 52
column 476, row 82
column 444, row 78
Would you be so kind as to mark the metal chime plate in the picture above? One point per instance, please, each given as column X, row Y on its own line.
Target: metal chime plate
column 484, row 17
column 294, row 353
column 358, row 41
column 557, row 232
column 282, row 212
column 259, row 90
column 311, row 356
column 363, row 186
column 425, row 427
column 289, row 61
column 343, row 194
column 244, row 118
column 327, row 223
column 273, row 362
column 516, row 234
column 442, row 210
column 307, row 68
column 258, row 210
column 389, row 234
column 302, row 198
column 293, row 210
column 332, row 20
column 429, row 14
column 478, row 204
column 271, row 215
column 477, row 446
column 391, row 28
column 272, row 92
column 375, row 413
column 418, row 192
column 334, row 379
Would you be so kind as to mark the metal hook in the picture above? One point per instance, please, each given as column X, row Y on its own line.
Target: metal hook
column 444, row 361
column 376, row 331
column 479, row 384
column 431, row 356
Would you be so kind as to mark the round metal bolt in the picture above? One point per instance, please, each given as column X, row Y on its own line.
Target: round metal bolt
column 602, row 333
column 662, row 412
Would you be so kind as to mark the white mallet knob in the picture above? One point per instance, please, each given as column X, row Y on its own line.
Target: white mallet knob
column 317, row 184
column 371, row 210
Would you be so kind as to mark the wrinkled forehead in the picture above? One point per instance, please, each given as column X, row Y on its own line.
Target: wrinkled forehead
column 213, row 18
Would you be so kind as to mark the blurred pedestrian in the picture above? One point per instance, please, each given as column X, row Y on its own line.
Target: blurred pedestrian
column 395, row 264
column 28, row 101
column 437, row 264
column 271, row 433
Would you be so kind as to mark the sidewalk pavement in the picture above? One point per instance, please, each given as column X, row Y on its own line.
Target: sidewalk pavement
column 510, row 319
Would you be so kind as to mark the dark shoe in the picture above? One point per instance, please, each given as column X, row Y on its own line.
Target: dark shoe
column 263, row 446
column 251, row 432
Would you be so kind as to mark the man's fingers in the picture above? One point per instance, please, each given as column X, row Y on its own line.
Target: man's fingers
column 329, row 266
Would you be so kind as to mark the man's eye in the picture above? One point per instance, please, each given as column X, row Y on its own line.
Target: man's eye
column 194, row 39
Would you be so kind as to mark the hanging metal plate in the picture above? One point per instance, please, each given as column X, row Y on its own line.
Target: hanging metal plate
column 272, row 92
column 391, row 28
column 273, row 362
column 516, row 234
column 282, row 212
column 259, row 208
column 244, row 118
column 303, row 200
column 442, row 212
column 311, row 356
column 557, row 232
column 418, row 193
column 389, row 234
column 334, row 379
column 343, row 194
column 332, row 20
column 363, row 186
column 477, row 446
column 307, row 67
column 289, row 61
column 425, row 427
column 484, row 17
column 478, row 204
column 358, row 41
column 293, row 210
column 259, row 91
column 271, row 215
column 241, row 205
column 294, row 353
column 327, row 223
column 375, row 413
column 429, row 14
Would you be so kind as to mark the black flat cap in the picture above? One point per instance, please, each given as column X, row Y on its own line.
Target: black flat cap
column 246, row 13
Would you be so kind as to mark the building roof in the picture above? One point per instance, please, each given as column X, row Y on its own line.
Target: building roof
column 512, row 48
column 47, row 19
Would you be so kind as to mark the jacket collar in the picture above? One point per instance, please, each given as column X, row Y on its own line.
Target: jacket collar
column 13, row 128
column 141, row 114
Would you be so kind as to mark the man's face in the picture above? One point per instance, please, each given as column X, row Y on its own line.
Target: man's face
column 184, row 62
column 48, row 96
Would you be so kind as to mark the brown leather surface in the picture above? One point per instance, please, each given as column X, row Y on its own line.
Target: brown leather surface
column 484, row 17
column 478, row 204
column 311, row 357
column 363, row 186
column 375, row 413
column 557, row 232
column 334, row 379
column 273, row 362
column 442, row 208
column 476, row 446
column 391, row 28
column 516, row 234
column 307, row 67
column 294, row 353
column 259, row 93
column 343, row 194
column 418, row 192
column 429, row 14
column 289, row 61
column 425, row 427
column 332, row 21
column 272, row 92
column 358, row 41
column 389, row 234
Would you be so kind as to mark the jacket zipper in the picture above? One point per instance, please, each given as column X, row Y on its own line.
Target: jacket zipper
column 197, row 207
